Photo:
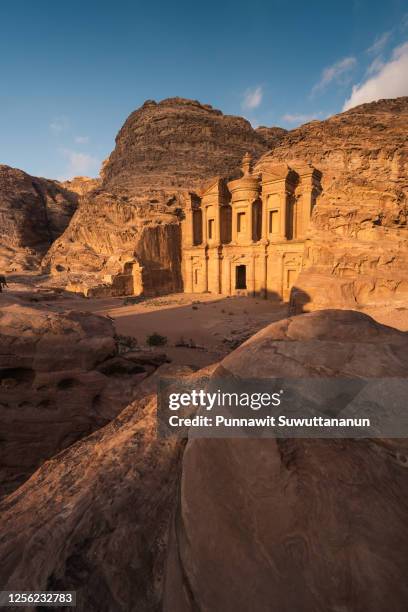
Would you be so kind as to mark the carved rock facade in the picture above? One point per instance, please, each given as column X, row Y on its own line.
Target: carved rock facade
column 247, row 236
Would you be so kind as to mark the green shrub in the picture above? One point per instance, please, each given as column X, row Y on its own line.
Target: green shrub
column 156, row 339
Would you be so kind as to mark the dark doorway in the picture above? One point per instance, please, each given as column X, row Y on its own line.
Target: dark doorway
column 240, row 277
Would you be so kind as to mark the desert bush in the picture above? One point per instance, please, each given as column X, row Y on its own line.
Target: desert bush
column 156, row 339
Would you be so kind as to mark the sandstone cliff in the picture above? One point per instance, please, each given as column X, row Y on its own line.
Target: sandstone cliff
column 180, row 144
column 33, row 213
column 252, row 521
column 120, row 245
column 357, row 253
column 125, row 237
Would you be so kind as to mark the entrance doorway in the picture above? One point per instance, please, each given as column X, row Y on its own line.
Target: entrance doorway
column 240, row 277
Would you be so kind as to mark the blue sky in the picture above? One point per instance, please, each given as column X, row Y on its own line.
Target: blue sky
column 71, row 72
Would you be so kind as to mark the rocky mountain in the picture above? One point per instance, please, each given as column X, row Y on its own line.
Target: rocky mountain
column 180, row 144
column 33, row 213
column 357, row 252
column 126, row 233
column 134, row 522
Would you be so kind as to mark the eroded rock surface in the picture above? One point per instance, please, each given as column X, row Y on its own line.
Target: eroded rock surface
column 180, row 144
column 119, row 245
column 95, row 518
column 81, row 184
column 306, row 525
column 60, row 379
column 357, row 254
column 33, row 213
column 296, row 524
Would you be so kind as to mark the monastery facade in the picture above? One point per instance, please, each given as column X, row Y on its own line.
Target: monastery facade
column 247, row 236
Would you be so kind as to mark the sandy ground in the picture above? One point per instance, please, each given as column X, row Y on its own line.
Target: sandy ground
column 213, row 325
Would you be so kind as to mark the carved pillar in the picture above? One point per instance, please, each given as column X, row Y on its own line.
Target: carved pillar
column 310, row 190
column 188, row 228
column 283, row 216
column 204, row 224
column 219, row 272
column 250, row 224
column 188, row 275
column 217, row 224
column 306, row 201
column 251, row 279
column 234, row 226
column 262, row 274
column 205, row 270
column 227, row 288
column 265, row 229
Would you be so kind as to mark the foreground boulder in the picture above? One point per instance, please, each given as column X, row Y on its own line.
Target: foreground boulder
column 60, row 379
column 33, row 213
column 305, row 525
column 296, row 524
column 95, row 518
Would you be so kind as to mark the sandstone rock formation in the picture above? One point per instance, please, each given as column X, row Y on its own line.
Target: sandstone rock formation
column 357, row 254
column 180, row 144
column 60, row 379
column 308, row 525
column 296, row 524
column 119, row 245
column 96, row 517
column 125, row 236
column 33, row 213
column 81, row 184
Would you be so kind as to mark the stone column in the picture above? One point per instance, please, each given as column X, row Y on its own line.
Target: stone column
column 250, row 223
column 233, row 225
column 204, row 224
column 188, row 275
column 283, row 215
column 262, row 275
column 188, row 228
column 217, row 225
column 219, row 271
column 227, row 264
column 251, row 279
column 265, row 229
column 306, row 203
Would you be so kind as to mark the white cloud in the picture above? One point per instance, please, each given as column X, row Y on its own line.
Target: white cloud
column 79, row 164
column 59, row 124
column 379, row 43
column 81, row 139
column 336, row 72
column 300, row 118
column 252, row 98
column 375, row 66
column 390, row 81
